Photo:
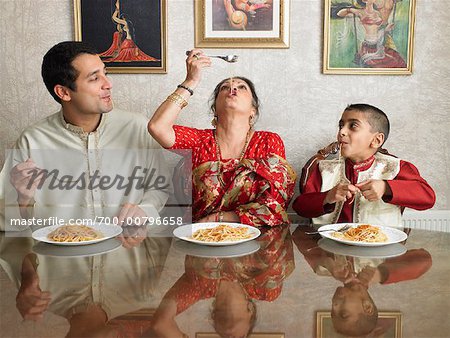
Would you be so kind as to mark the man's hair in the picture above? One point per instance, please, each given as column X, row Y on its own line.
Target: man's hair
column 57, row 68
column 375, row 116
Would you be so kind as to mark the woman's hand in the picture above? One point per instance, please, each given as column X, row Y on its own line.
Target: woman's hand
column 195, row 62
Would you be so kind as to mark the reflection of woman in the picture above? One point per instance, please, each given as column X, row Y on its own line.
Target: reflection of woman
column 233, row 283
column 239, row 174
column 126, row 50
column 374, row 52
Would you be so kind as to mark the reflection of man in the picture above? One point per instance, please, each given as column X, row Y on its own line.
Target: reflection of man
column 104, row 158
column 354, row 312
column 87, row 291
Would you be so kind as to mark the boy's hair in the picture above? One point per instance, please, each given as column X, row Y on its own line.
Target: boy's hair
column 375, row 116
column 57, row 68
column 362, row 327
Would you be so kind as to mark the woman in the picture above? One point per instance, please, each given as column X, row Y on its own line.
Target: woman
column 126, row 50
column 239, row 175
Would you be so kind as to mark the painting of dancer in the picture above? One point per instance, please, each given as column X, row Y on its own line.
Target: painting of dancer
column 130, row 35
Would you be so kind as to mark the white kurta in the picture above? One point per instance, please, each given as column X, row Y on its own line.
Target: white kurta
column 89, row 174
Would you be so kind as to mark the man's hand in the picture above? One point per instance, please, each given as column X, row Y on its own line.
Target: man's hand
column 31, row 301
column 131, row 214
column 25, row 177
column 341, row 192
column 133, row 235
column 374, row 190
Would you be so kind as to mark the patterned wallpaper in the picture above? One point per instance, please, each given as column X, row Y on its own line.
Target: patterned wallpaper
column 298, row 101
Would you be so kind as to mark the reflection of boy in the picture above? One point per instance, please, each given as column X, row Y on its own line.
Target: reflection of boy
column 353, row 310
column 363, row 185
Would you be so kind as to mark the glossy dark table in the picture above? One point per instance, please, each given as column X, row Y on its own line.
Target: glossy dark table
column 285, row 282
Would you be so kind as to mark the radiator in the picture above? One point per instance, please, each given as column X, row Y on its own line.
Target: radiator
column 435, row 220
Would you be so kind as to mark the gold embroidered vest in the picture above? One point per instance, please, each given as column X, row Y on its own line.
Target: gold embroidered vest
column 384, row 167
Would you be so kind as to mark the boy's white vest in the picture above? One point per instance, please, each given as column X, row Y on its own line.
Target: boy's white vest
column 384, row 167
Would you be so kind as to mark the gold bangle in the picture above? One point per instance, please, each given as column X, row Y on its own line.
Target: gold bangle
column 177, row 99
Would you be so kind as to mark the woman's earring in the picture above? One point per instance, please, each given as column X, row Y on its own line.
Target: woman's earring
column 251, row 121
column 214, row 121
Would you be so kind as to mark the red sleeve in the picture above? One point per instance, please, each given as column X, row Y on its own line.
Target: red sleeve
column 411, row 265
column 310, row 203
column 186, row 137
column 410, row 190
column 275, row 145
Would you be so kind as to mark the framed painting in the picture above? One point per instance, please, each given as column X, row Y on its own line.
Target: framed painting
column 130, row 35
column 252, row 335
column 368, row 37
column 388, row 325
column 242, row 24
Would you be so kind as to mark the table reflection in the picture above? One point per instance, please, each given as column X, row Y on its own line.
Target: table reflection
column 234, row 284
column 88, row 291
column 353, row 311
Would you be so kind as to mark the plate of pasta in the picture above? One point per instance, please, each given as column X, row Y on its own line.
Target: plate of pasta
column 217, row 233
column 77, row 234
column 362, row 234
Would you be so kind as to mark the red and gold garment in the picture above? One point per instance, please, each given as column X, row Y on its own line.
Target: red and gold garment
column 261, row 274
column 258, row 188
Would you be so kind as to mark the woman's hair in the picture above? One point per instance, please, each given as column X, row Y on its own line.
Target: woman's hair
column 255, row 99
column 57, row 68
column 216, row 316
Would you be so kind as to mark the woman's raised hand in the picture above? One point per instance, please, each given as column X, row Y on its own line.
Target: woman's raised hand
column 195, row 62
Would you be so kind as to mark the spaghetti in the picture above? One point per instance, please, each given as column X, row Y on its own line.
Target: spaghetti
column 222, row 233
column 362, row 233
column 74, row 233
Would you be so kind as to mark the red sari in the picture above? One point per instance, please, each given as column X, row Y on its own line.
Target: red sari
column 129, row 52
column 258, row 188
column 115, row 45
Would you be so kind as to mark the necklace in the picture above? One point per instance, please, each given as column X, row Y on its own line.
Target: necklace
column 218, row 153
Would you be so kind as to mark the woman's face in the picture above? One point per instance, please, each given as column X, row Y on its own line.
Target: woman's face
column 235, row 94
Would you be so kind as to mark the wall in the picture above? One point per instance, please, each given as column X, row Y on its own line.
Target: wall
column 299, row 102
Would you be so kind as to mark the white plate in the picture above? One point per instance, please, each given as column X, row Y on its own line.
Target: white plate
column 185, row 233
column 394, row 235
column 385, row 251
column 108, row 231
column 95, row 249
column 232, row 251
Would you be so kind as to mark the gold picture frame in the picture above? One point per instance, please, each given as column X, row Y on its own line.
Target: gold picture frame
column 236, row 24
column 130, row 36
column 389, row 324
column 370, row 37
column 253, row 335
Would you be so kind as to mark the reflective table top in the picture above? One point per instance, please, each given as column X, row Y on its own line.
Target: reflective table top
column 284, row 284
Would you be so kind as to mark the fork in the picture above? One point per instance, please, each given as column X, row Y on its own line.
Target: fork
column 343, row 229
column 228, row 58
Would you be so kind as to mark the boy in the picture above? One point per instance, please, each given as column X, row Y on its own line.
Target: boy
column 363, row 185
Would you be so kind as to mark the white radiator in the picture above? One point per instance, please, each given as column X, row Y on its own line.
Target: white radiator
column 435, row 220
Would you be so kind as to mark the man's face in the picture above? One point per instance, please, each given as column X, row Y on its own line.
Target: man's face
column 92, row 93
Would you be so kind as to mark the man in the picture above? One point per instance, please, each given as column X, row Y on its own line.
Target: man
column 87, row 161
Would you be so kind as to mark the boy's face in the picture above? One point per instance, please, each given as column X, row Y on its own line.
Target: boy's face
column 357, row 140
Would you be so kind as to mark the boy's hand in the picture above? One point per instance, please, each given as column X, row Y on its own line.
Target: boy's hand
column 340, row 192
column 374, row 190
